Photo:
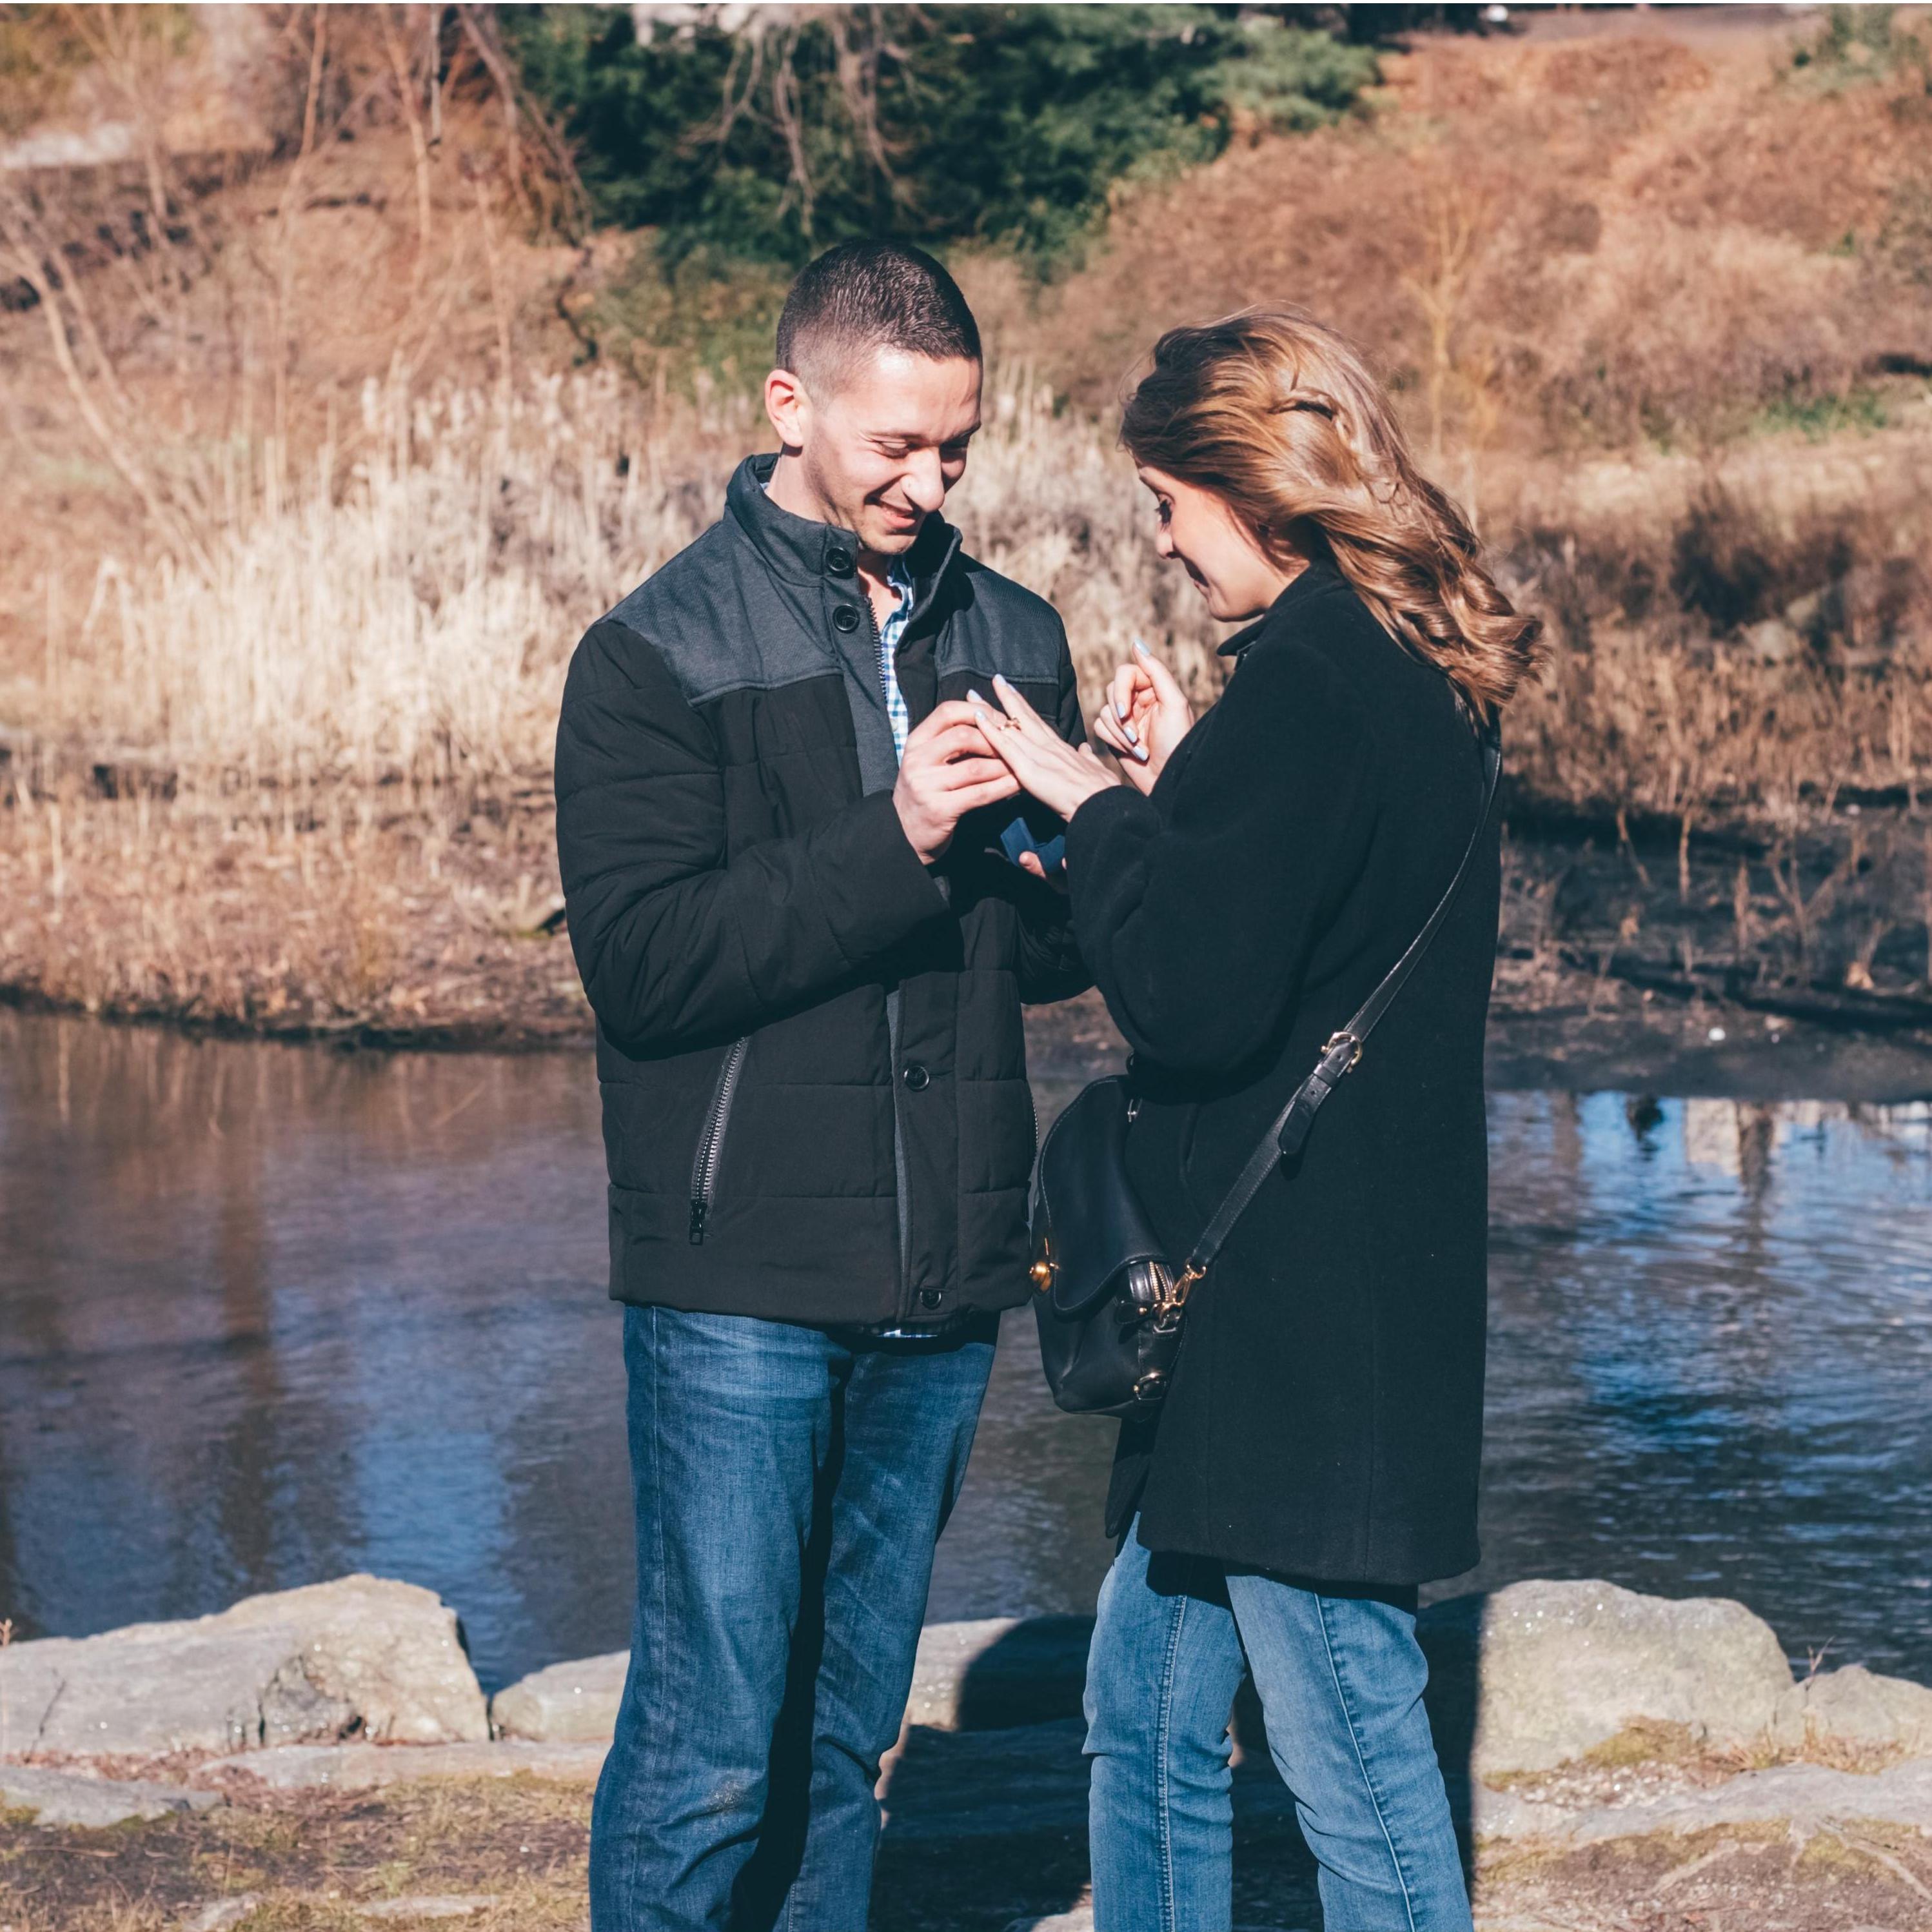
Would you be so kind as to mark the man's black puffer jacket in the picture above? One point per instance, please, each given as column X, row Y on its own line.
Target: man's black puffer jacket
column 814, row 1076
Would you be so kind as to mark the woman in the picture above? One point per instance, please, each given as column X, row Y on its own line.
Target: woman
column 1236, row 898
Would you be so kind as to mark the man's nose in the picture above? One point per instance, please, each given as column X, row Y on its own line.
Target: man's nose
column 925, row 482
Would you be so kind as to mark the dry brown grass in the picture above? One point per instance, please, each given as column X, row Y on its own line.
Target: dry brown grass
column 1550, row 243
column 379, row 506
column 331, row 910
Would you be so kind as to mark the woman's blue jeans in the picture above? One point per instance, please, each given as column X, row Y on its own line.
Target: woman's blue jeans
column 1341, row 1680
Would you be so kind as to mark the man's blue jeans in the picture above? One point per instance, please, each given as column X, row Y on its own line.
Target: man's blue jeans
column 1340, row 1679
column 790, row 1485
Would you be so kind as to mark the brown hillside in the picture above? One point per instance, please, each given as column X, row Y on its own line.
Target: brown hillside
column 1663, row 227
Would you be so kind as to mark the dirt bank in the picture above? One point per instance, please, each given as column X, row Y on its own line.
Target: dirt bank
column 508, row 1855
column 1747, row 959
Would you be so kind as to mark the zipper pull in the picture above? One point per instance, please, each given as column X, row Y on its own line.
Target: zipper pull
column 697, row 1224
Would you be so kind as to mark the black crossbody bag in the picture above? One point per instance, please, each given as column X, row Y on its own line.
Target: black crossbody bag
column 1110, row 1301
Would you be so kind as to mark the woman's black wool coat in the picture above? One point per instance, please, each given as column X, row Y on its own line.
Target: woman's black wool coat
column 1325, row 1417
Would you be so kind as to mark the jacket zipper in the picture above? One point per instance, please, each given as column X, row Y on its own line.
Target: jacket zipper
column 711, row 1142
column 902, row 1192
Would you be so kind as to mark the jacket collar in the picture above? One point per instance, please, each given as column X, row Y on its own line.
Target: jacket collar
column 1322, row 575
column 795, row 546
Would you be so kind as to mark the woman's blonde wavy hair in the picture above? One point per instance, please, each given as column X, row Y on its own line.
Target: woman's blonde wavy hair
column 1280, row 417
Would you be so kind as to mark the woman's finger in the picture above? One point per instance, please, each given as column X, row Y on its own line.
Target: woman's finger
column 1113, row 734
column 1132, row 692
column 1025, row 717
column 1167, row 688
column 1001, row 734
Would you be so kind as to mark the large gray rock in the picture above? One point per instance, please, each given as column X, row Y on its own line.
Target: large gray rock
column 1803, row 1797
column 996, row 1671
column 67, row 1797
column 945, row 1785
column 362, row 1656
column 1853, row 1707
column 976, row 1676
column 370, row 1767
column 1531, row 1676
column 568, row 1703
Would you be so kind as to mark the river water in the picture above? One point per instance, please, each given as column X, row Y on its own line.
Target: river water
column 269, row 1314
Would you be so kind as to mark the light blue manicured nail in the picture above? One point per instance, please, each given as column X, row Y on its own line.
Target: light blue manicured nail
column 1128, row 732
column 1142, row 648
column 973, row 698
column 1140, row 752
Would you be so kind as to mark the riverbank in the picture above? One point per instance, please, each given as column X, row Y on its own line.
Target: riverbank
column 1615, row 1760
column 1745, row 959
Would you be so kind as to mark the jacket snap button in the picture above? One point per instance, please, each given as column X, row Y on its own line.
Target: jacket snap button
column 839, row 563
column 930, row 1297
column 917, row 1078
column 845, row 617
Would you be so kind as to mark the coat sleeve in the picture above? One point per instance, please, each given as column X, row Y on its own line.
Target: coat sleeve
column 1050, row 967
column 675, row 944
column 1197, row 912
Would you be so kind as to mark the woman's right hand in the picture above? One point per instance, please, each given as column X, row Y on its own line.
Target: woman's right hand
column 1147, row 714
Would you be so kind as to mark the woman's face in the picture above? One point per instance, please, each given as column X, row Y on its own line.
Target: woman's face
column 1196, row 528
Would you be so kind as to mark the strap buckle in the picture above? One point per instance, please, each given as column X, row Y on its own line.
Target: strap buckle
column 1171, row 1297
column 1340, row 1043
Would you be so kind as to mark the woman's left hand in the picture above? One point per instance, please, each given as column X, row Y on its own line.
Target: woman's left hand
column 1061, row 777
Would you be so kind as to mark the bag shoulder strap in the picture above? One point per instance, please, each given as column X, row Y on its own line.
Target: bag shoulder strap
column 1289, row 1129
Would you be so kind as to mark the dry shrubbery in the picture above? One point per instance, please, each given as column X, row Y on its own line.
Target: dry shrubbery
column 406, row 609
column 1729, row 630
column 1751, row 634
column 377, row 515
column 359, row 577
column 1587, row 243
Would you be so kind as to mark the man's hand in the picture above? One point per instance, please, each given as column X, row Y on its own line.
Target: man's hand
column 1061, row 777
column 948, row 770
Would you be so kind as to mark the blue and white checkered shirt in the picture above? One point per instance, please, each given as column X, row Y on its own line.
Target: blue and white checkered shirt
column 899, row 579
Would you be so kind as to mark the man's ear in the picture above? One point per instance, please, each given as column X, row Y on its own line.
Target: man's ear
column 789, row 407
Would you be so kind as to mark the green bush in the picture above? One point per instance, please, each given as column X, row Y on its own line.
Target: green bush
column 998, row 123
column 1861, row 44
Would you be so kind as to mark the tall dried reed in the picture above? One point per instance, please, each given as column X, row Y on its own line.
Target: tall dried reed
column 1729, row 633
column 404, row 606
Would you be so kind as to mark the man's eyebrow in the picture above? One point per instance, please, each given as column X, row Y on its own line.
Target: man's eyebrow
column 916, row 436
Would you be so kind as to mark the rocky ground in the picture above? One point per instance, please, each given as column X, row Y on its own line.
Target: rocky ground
column 323, row 1758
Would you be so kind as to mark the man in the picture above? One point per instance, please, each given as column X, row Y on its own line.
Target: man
column 780, row 837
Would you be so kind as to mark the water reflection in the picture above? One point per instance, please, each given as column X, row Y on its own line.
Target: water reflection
column 269, row 1314
column 1711, row 1332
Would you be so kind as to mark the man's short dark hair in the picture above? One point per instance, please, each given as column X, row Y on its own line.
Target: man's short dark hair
column 863, row 296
